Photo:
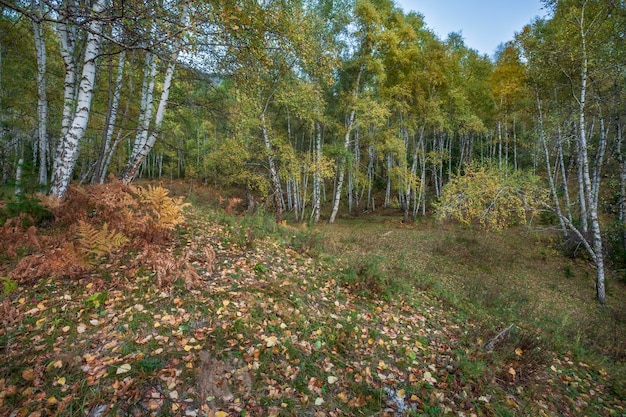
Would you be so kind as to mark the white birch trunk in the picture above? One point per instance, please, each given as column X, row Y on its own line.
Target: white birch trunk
column 592, row 203
column 346, row 147
column 564, row 176
column 145, row 116
column 278, row 202
column 67, row 151
column 18, row 177
column 100, row 173
column 42, row 100
column 140, row 152
column 317, row 174
column 371, row 206
column 341, row 167
column 66, row 35
column 555, row 196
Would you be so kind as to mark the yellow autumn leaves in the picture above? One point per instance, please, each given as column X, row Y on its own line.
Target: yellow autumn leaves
column 491, row 197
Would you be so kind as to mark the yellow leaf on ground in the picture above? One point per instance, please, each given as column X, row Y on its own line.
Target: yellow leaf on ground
column 519, row 352
column 221, row 414
column 512, row 371
column 123, row 369
column 271, row 341
column 28, row 374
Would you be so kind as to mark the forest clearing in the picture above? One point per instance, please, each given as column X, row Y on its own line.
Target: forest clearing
column 235, row 315
column 310, row 208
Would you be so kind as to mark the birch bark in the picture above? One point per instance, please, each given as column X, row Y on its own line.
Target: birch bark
column 67, row 150
column 317, row 173
column 592, row 203
column 346, row 146
column 141, row 150
column 101, row 168
column 42, row 99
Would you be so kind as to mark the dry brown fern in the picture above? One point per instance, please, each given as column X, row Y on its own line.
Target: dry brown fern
column 93, row 242
column 166, row 211
column 167, row 267
column 93, row 222
column 15, row 237
column 65, row 261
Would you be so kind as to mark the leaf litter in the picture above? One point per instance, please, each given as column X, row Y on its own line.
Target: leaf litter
column 267, row 331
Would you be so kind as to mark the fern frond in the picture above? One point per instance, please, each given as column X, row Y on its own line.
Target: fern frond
column 165, row 211
column 92, row 241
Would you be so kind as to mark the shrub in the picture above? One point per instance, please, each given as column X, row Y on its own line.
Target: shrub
column 491, row 197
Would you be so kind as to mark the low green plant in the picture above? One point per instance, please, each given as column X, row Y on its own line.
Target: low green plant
column 8, row 285
column 31, row 210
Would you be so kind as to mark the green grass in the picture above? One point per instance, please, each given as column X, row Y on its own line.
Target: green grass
column 299, row 320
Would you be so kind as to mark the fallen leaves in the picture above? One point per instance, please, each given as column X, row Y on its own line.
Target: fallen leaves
column 122, row 369
column 288, row 341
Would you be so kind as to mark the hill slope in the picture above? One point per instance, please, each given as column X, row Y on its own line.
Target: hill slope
column 259, row 327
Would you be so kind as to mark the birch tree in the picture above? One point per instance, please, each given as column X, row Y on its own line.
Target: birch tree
column 75, row 117
column 149, row 130
column 42, row 99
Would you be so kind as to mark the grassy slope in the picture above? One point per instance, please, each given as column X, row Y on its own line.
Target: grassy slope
column 389, row 320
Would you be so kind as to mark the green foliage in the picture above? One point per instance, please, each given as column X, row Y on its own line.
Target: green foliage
column 491, row 197
column 8, row 285
column 30, row 210
column 96, row 300
column 368, row 275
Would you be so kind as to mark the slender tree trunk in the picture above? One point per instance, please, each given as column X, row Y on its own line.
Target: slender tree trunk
column 278, row 202
column 100, row 170
column 499, row 144
column 388, row 190
column 597, row 168
column 67, row 151
column 553, row 191
column 564, row 176
column 146, row 105
column 317, row 173
column 42, row 99
column 370, row 178
column 341, row 167
column 66, row 34
column 141, row 151
column 346, row 146
column 514, row 145
column 18, row 177
column 588, row 187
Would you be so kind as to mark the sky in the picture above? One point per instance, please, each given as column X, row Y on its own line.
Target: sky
column 484, row 24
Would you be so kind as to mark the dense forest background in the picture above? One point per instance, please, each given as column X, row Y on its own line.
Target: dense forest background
column 313, row 108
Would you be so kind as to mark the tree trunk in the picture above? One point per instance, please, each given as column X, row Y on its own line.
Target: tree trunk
column 317, row 173
column 42, row 100
column 592, row 203
column 141, row 149
column 67, row 150
column 100, row 171
column 346, row 147
column 555, row 195
column 278, row 201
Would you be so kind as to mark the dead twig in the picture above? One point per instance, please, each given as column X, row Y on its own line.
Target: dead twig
column 504, row 333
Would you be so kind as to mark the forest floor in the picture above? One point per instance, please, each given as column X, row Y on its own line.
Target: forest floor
column 367, row 317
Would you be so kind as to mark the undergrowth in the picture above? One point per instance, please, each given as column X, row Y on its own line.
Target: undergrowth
column 217, row 314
